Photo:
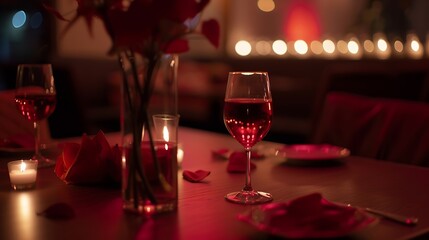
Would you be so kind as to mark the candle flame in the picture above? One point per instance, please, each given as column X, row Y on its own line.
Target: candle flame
column 165, row 134
column 23, row 166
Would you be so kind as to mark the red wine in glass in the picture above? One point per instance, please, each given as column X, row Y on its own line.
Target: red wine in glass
column 36, row 107
column 35, row 98
column 248, row 120
column 247, row 115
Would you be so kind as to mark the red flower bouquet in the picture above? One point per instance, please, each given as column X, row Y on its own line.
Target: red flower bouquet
column 148, row 29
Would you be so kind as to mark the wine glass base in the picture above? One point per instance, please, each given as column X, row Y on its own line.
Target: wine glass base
column 249, row 197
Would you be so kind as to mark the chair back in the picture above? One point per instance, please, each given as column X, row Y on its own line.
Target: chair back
column 386, row 129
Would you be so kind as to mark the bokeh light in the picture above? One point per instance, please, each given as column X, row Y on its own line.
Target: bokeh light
column 243, row 48
column 342, row 46
column 279, row 47
column 382, row 45
column 266, row 5
column 36, row 20
column 368, row 45
column 301, row 47
column 328, row 46
column 353, row 47
column 415, row 46
column 399, row 47
column 263, row 48
column 19, row 19
column 316, row 47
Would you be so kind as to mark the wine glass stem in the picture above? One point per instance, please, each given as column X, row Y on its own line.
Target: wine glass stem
column 36, row 140
column 248, row 186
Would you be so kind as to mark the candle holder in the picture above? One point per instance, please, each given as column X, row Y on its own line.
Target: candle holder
column 22, row 174
column 149, row 180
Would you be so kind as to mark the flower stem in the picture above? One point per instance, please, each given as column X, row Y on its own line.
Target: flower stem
column 153, row 64
column 136, row 173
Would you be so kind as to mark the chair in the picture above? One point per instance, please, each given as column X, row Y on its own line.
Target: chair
column 396, row 80
column 386, row 129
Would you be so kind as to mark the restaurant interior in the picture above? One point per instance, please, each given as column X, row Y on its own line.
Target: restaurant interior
column 376, row 48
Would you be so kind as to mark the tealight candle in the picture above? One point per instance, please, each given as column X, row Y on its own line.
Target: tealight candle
column 22, row 174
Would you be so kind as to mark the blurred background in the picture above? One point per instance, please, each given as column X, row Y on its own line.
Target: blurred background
column 308, row 47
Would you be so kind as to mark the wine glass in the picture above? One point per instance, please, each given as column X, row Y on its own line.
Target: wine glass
column 247, row 115
column 35, row 98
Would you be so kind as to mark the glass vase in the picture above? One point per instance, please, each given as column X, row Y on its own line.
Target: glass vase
column 149, row 124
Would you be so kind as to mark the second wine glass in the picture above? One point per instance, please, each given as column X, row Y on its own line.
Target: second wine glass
column 35, row 98
column 247, row 116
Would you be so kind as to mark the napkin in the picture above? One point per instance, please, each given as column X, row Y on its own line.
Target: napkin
column 313, row 208
column 93, row 161
column 237, row 163
column 314, row 214
column 196, row 176
column 308, row 216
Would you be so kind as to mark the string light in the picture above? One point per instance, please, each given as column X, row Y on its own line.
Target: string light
column 243, row 48
column 266, row 5
column 301, row 47
column 316, row 47
column 279, row 47
column 399, row 47
column 349, row 47
column 328, row 46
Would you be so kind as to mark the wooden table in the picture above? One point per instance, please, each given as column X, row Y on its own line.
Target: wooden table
column 202, row 210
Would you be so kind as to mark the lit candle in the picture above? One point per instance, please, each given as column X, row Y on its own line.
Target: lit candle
column 22, row 174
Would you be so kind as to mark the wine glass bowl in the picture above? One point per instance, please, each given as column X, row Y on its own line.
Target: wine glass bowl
column 247, row 120
column 247, row 116
column 35, row 98
column 34, row 104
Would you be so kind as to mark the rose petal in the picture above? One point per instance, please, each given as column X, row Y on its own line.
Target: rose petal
column 105, row 149
column 53, row 11
column 307, row 205
column 306, row 216
column 58, row 211
column 211, row 30
column 91, row 162
column 196, row 176
column 237, row 163
column 88, row 166
column 223, row 153
column 66, row 158
column 110, row 158
column 69, row 153
column 59, row 167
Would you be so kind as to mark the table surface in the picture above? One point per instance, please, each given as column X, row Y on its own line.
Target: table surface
column 202, row 210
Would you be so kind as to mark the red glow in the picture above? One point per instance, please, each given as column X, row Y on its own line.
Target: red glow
column 301, row 22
